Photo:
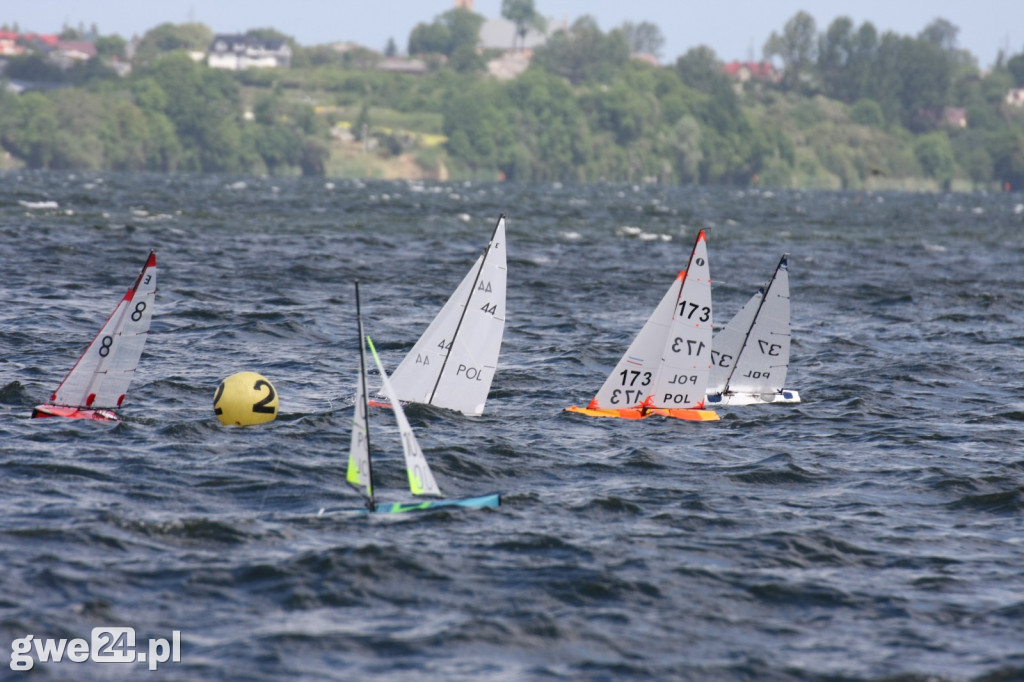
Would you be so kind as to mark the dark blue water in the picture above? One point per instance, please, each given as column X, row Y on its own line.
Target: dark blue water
column 875, row 531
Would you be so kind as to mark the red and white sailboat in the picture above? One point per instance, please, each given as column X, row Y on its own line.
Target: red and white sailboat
column 97, row 384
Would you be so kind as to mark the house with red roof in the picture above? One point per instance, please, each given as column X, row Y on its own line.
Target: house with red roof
column 745, row 72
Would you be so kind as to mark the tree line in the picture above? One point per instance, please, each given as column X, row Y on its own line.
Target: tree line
column 850, row 105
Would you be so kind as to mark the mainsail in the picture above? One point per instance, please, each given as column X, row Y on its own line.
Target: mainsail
column 452, row 364
column 751, row 354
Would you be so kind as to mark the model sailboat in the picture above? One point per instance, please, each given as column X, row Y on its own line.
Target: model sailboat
column 98, row 382
column 453, row 362
column 665, row 370
column 360, row 471
column 750, row 355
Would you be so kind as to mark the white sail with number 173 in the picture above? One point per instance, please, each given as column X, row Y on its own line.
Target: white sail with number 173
column 665, row 370
column 453, row 362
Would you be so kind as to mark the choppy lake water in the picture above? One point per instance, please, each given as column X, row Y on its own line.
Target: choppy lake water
column 872, row 532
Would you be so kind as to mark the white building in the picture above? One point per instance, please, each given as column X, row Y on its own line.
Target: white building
column 239, row 52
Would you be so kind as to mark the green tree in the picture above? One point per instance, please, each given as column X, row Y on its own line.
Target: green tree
column 969, row 148
column 1006, row 149
column 935, row 154
column 169, row 37
column 34, row 68
column 124, row 134
column 626, row 112
column 286, row 134
column 269, row 35
column 885, row 84
column 91, row 72
column 464, row 27
column 465, row 59
column 866, row 112
column 643, row 38
column 926, row 78
column 525, row 16
column 701, row 69
column 835, row 54
column 583, row 53
column 362, row 125
column 148, row 94
column 552, row 139
column 454, row 29
column 432, row 38
column 78, row 143
column 314, row 157
column 685, row 149
column 279, row 146
column 476, row 126
column 111, row 47
column 943, row 35
column 205, row 107
column 32, row 131
column 796, row 48
column 864, row 52
column 1015, row 65
column 163, row 148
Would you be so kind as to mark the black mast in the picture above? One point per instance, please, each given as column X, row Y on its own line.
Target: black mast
column 746, row 337
column 364, row 403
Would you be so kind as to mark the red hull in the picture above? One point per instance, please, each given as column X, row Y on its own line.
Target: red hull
column 99, row 415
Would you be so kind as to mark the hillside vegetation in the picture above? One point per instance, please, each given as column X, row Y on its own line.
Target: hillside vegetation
column 846, row 108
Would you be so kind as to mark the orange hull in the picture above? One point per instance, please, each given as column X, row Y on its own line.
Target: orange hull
column 694, row 415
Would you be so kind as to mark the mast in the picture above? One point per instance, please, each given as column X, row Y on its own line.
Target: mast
column 364, row 399
column 472, row 290
column 746, row 336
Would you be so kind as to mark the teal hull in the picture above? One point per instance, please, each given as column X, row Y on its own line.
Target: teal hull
column 490, row 500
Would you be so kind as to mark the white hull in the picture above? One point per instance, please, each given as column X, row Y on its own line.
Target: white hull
column 786, row 396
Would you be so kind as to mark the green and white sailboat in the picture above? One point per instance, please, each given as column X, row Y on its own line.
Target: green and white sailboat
column 360, row 469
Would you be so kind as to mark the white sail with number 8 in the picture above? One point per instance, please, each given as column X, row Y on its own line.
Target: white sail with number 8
column 99, row 381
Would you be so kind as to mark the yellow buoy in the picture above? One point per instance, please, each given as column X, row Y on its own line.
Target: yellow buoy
column 244, row 399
